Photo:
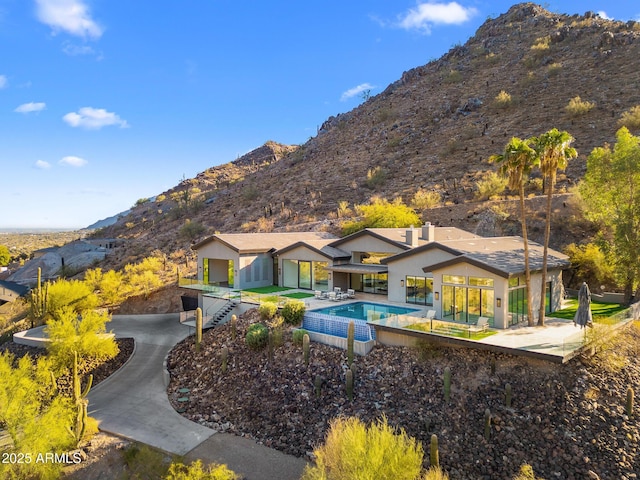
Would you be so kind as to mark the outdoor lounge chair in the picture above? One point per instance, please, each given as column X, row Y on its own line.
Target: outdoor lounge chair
column 332, row 296
column 318, row 294
column 351, row 293
column 431, row 314
column 481, row 325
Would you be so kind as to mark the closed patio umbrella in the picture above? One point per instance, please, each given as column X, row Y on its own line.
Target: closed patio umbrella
column 583, row 314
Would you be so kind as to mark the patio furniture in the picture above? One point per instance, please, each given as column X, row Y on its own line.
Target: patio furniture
column 332, row 296
column 431, row 314
column 318, row 294
column 481, row 325
column 337, row 289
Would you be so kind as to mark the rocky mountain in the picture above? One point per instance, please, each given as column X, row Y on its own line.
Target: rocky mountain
column 433, row 129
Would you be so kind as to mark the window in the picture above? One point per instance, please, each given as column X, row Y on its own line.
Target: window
column 465, row 300
column 481, row 281
column 205, row 270
column 456, row 279
column 419, row 290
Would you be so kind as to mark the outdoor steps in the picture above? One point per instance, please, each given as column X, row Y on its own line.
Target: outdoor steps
column 220, row 315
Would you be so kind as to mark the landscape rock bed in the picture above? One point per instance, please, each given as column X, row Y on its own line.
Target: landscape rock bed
column 565, row 420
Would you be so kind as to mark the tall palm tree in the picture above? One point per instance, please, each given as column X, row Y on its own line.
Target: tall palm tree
column 515, row 163
column 553, row 151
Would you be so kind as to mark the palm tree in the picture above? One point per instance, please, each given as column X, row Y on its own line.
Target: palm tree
column 553, row 151
column 516, row 163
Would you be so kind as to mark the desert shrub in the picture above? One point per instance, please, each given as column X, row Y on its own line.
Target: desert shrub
column 541, row 46
column 293, row 312
column 630, row 118
column 375, row 177
column 353, row 450
column 191, row 230
column 257, row 336
column 435, row 473
column 526, row 473
column 196, row 471
column 503, row 99
column 424, row 199
column 143, row 461
column 141, row 201
column 161, row 198
column 490, row 185
column 298, row 335
column 381, row 213
column 453, row 76
column 343, row 209
column 554, row 68
column 129, row 225
column 577, row 107
column 250, row 193
column 74, row 294
column 69, row 333
column 267, row 310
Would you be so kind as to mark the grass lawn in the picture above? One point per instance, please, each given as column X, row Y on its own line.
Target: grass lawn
column 598, row 309
column 298, row 295
column 453, row 332
column 267, row 289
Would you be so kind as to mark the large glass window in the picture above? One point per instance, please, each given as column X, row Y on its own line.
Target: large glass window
column 370, row 283
column 465, row 301
column 419, row 290
column 230, row 274
column 517, row 301
column 320, row 276
column 304, row 275
column 457, row 279
column 205, row 270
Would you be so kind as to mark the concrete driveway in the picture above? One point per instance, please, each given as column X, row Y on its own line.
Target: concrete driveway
column 133, row 403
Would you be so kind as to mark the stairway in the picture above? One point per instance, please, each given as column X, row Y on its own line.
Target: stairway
column 218, row 317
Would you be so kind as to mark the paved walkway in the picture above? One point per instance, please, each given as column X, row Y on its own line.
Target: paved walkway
column 133, row 403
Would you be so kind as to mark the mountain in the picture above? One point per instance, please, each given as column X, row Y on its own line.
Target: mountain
column 432, row 129
column 105, row 222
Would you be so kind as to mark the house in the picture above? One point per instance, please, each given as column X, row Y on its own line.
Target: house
column 460, row 275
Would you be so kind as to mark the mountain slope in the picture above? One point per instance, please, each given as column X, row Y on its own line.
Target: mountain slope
column 433, row 129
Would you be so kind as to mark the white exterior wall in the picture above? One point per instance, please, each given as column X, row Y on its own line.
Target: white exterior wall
column 411, row 265
column 367, row 243
column 300, row 253
column 217, row 251
column 261, row 268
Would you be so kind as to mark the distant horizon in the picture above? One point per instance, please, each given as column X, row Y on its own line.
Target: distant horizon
column 14, row 230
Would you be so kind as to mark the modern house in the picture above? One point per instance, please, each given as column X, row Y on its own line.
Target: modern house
column 460, row 275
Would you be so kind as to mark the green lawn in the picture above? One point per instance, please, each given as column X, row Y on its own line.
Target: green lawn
column 298, row 295
column 598, row 309
column 267, row 289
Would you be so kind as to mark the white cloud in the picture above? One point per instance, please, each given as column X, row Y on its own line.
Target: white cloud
column 71, row 16
column 75, row 50
column 603, row 14
column 71, row 161
column 425, row 15
column 3, row 81
column 94, row 118
column 352, row 92
column 31, row 107
column 42, row 165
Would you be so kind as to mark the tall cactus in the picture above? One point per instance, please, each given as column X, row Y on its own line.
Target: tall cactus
column 434, row 454
column 629, row 404
column 447, row 384
column 198, row 328
column 38, row 301
column 305, row 348
column 81, row 402
column 317, row 383
column 225, row 358
column 234, row 326
column 351, row 333
column 349, row 381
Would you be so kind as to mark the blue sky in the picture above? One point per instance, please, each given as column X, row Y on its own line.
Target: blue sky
column 103, row 102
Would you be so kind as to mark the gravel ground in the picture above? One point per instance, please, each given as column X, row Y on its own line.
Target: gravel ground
column 567, row 421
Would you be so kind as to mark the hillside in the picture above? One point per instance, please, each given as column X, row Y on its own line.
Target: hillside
column 434, row 129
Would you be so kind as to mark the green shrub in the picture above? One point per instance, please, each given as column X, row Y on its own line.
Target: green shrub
column 526, row 473
column 353, row 450
column 503, row 99
column 490, row 185
column 423, row 200
column 375, row 177
column 630, row 118
column 191, row 230
column 293, row 312
column 554, row 69
column 453, row 76
column 298, row 335
column 257, row 336
column 196, row 471
column 577, row 107
column 267, row 310
column 143, row 461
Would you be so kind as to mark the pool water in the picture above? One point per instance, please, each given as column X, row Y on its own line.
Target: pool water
column 364, row 310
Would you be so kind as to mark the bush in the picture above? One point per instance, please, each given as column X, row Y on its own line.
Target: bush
column 73, row 294
column 630, row 118
column 526, row 473
column 267, row 310
column 503, row 99
column 293, row 312
column 353, row 450
column 257, row 336
column 423, row 200
column 191, row 230
column 195, row 471
column 490, row 185
column 298, row 335
column 577, row 107
column 375, row 177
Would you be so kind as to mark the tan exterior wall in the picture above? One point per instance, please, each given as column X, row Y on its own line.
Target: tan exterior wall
column 367, row 243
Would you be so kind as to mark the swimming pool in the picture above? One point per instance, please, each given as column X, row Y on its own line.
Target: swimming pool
column 364, row 310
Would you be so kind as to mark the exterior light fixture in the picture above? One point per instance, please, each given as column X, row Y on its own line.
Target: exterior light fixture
column 498, row 302
column 402, row 283
column 437, row 295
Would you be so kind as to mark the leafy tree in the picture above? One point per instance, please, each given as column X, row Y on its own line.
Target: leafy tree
column 5, row 256
column 353, row 450
column 35, row 419
column 553, row 151
column 516, row 163
column 143, row 277
column 611, row 192
column 589, row 264
column 68, row 333
column 196, row 471
column 74, row 294
column 381, row 213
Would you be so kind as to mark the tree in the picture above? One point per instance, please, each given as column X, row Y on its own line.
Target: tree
column 553, row 150
column 611, row 192
column 74, row 294
column 516, row 163
column 5, row 256
column 381, row 213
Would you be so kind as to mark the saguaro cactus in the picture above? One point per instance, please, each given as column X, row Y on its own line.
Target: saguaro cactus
column 225, row 358
column 351, row 333
column 487, row 424
column 318, row 385
column 629, row 404
column 305, row 348
column 434, row 454
column 81, row 402
column 447, row 384
column 349, row 379
column 234, row 326
column 507, row 394
column 198, row 328
column 38, row 301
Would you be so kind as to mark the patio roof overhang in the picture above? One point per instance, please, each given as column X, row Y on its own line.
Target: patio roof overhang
column 358, row 268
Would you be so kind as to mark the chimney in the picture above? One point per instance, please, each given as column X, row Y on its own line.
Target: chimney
column 428, row 232
column 412, row 237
